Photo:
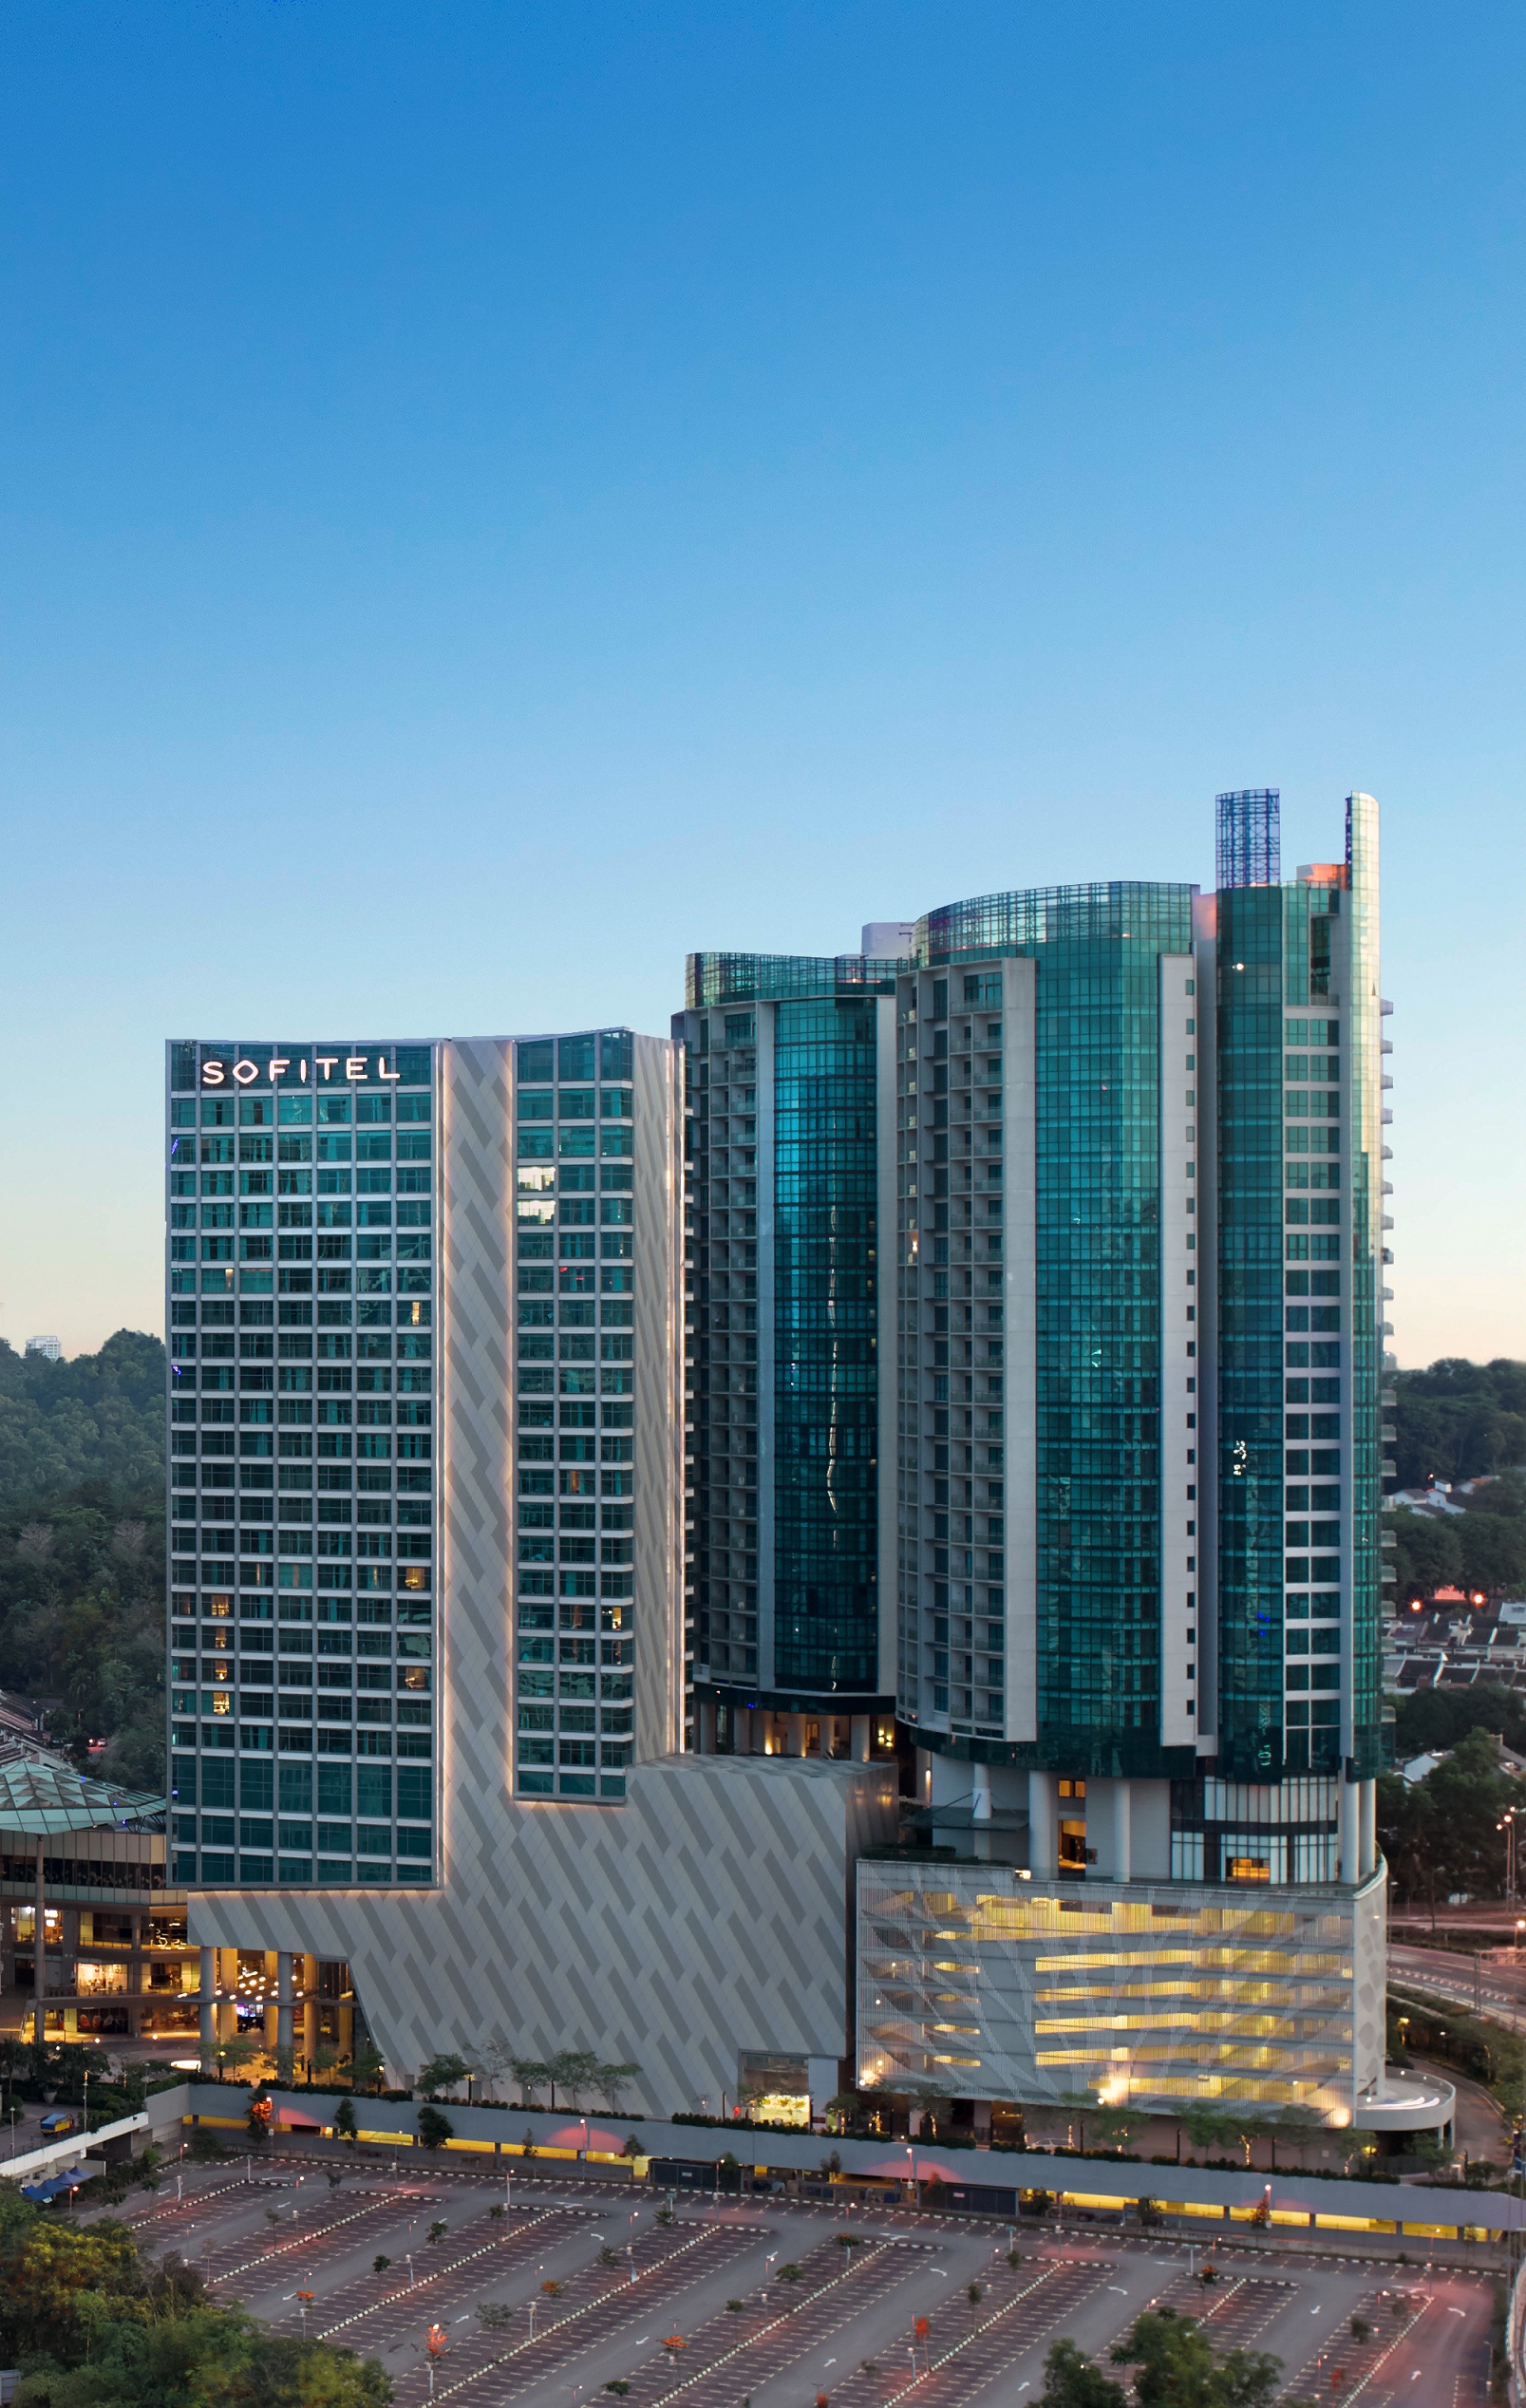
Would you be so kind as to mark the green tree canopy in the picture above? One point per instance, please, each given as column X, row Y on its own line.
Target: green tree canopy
column 1178, row 2367
column 442, row 2073
column 1071, row 2380
column 1427, row 1554
column 97, row 1418
column 94, row 2326
column 82, row 1547
column 1439, row 1718
column 1458, row 1418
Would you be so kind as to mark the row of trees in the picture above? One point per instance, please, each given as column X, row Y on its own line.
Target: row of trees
column 82, row 1623
column 1483, row 1547
column 1456, row 1420
column 96, row 2326
column 81, row 1548
column 575, row 2072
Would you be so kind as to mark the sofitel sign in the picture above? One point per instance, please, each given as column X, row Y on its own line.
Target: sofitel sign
column 244, row 1073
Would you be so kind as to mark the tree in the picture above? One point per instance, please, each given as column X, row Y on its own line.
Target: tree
column 1427, row 1554
column 442, row 2073
column 1493, row 1550
column 1467, row 1795
column 1248, row 2128
column 611, row 2081
column 1079, row 2104
column 233, row 2056
column 1071, row 2380
column 345, row 2125
column 434, row 2129
column 532, row 2074
column 1457, row 1420
column 577, row 2069
column 81, row 1548
column 1210, row 2127
column 845, row 2114
column 1177, row 2369
column 1114, row 2127
column 1439, row 1718
column 1296, row 2129
column 1404, row 1818
column 99, row 2327
column 934, row 2100
column 368, row 2066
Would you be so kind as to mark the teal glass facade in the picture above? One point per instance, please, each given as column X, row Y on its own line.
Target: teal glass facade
column 1249, row 1443
column 782, row 1246
column 575, row 1243
column 1097, row 1272
column 826, row 1609
column 1096, row 1498
column 1127, row 1245
column 301, row 1187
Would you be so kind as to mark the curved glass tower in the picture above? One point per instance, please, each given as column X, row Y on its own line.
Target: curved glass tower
column 1069, row 1324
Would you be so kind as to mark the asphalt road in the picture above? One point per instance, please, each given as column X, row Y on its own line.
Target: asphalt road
column 1500, row 1994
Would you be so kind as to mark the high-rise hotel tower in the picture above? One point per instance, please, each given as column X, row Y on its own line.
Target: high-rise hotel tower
column 1058, row 1421
column 426, row 1489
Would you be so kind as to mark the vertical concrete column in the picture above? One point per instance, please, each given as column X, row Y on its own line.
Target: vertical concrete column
column 859, row 1747
column 1044, row 1826
column 39, row 2029
column 227, row 1994
column 980, row 1810
column 1350, row 1830
column 705, row 1725
column 1367, row 1828
column 310, row 2034
column 206, row 2012
column 1122, row 1831
column 283, row 1998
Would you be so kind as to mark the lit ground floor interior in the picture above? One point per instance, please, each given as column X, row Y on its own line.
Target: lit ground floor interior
column 549, row 2287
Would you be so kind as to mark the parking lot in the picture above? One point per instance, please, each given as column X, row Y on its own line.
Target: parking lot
column 545, row 2291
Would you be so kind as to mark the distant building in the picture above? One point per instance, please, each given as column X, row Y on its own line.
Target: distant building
column 48, row 1346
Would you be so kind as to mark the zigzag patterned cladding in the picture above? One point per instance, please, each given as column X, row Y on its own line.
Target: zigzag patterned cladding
column 709, row 1915
column 479, row 1371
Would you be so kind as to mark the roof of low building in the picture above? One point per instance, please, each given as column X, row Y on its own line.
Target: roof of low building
column 42, row 1798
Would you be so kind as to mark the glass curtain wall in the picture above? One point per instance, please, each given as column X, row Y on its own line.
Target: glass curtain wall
column 300, row 1203
column 825, row 1280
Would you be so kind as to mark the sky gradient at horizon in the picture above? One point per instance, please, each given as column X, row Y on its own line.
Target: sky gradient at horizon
column 494, row 499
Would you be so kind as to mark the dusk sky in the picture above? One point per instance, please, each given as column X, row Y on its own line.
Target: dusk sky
column 496, row 496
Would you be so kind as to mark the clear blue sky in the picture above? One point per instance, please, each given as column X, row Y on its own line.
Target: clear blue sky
column 497, row 496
